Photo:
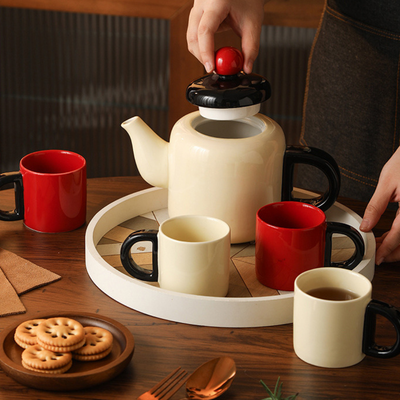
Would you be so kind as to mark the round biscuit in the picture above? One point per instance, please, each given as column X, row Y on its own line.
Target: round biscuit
column 62, row 349
column 22, row 344
column 98, row 340
column 92, row 357
column 60, row 332
column 39, row 358
column 49, row 371
column 25, row 334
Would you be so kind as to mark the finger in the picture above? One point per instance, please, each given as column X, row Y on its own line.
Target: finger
column 389, row 247
column 394, row 256
column 375, row 208
column 208, row 26
column 191, row 33
column 250, row 46
column 381, row 238
column 250, row 32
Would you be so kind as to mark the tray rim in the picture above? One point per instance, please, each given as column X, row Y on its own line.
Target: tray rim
column 68, row 381
column 186, row 308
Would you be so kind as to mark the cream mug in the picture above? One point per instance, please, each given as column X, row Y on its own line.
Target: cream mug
column 334, row 319
column 191, row 254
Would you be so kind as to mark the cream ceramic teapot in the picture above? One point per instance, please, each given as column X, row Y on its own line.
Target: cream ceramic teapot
column 226, row 160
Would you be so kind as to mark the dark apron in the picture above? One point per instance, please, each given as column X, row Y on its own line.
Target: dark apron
column 351, row 102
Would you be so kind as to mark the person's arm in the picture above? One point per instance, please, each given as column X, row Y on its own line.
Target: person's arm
column 244, row 17
column 387, row 190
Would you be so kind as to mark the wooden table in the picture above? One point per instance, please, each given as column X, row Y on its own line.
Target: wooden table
column 260, row 353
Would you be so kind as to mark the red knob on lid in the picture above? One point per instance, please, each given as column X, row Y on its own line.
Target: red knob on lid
column 228, row 61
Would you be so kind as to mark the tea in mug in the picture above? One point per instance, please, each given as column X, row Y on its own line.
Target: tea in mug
column 332, row 293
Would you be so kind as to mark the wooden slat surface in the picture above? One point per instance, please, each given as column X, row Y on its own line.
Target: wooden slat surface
column 161, row 346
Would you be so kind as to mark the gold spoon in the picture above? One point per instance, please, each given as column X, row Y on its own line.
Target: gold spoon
column 211, row 379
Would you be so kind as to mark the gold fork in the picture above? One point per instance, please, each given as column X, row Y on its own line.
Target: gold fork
column 167, row 387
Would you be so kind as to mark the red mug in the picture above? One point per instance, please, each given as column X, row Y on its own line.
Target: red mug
column 50, row 191
column 293, row 237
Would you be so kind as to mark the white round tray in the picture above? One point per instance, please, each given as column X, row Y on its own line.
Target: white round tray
column 192, row 309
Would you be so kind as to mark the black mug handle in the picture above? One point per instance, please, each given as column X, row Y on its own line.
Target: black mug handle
column 354, row 235
column 369, row 347
column 18, row 213
column 319, row 159
column 129, row 264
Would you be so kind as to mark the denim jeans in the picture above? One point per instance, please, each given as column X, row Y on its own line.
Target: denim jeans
column 351, row 103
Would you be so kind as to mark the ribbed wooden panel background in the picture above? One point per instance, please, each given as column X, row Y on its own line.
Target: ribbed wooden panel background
column 283, row 59
column 68, row 81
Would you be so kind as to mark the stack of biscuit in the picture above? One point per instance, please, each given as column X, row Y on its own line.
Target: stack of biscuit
column 51, row 344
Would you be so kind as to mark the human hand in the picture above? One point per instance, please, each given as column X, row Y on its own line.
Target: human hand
column 207, row 17
column 387, row 190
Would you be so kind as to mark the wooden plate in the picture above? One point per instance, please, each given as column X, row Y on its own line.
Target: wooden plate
column 82, row 374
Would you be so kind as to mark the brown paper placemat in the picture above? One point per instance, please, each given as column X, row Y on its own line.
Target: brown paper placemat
column 10, row 303
column 19, row 276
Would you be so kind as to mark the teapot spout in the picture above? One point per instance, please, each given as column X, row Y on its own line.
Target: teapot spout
column 150, row 152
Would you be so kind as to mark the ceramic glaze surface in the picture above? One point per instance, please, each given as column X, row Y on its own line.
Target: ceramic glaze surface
column 290, row 239
column 225, row 169
column 193, row 255
column 330, row 333
column 190, row 254
column 221, row 169
column 54, row 190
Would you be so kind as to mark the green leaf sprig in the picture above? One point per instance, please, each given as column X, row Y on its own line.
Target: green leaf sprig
column 277, row 394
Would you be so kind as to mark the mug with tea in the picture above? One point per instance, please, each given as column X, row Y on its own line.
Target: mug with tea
column 190, row 254
column 293, row 237
column 50, row 191
column 334, row 319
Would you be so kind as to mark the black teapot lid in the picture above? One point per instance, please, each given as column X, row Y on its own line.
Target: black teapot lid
column 228, row 96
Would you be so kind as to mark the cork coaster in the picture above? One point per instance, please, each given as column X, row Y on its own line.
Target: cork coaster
column 9, row 301
column 23, row 274
column 19, row 276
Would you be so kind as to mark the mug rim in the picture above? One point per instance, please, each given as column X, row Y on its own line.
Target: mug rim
column 297, row 204
column 225, row 227
column 367, row 290
column 24, row 159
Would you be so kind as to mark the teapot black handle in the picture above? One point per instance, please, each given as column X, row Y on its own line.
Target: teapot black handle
column 354, row 235
column 130, row 265
column 369, row 347
column 18, row 213
column 317, row 158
